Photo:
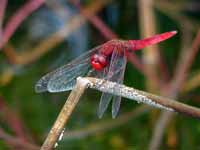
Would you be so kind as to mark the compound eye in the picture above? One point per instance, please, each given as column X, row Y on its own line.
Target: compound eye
column 102, row 60
column 98, row 62
column 96, row 65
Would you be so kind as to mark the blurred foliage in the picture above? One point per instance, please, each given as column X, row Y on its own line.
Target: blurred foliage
column 39, row 111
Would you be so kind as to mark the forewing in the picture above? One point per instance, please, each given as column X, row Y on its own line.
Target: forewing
column 66, row 80
column 116, row 70
column 43, row 84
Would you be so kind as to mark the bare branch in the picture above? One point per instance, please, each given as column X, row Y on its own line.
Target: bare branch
column 65, row 113
column 143, row 97
column 183, row 67
column 115, row 89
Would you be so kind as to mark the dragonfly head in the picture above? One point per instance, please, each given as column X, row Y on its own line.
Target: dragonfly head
column 98, row 61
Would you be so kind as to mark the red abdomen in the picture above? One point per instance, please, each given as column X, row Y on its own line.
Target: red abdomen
column 139, row 44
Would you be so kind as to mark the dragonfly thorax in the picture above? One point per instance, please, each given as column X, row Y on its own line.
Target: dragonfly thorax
column 98, row 61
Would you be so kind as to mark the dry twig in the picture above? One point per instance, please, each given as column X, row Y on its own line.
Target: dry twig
column 143, row 97
column 173, row 90
column 64, row 115
column 115, row 89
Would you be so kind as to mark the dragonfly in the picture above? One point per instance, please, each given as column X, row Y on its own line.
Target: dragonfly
column 107, row 61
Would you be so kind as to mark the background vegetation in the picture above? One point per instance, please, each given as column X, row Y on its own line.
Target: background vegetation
column 37, row 37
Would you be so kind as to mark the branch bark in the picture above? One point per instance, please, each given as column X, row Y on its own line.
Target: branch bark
column 186, row 60
column 143, row 97
column 115, row 89
column 63, row 117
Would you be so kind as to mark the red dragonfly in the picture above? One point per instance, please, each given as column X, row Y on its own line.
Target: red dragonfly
column 107, row 61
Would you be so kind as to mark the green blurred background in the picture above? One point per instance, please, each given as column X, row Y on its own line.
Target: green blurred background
column 36, row 113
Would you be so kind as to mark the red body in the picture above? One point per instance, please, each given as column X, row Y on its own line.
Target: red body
column 101, row 59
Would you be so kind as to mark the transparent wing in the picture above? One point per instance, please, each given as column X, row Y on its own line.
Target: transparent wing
column 75, row 68
column 120, row 77
column 105, row 97
column 115, row 74
column 116, row 105
column 66, row 80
